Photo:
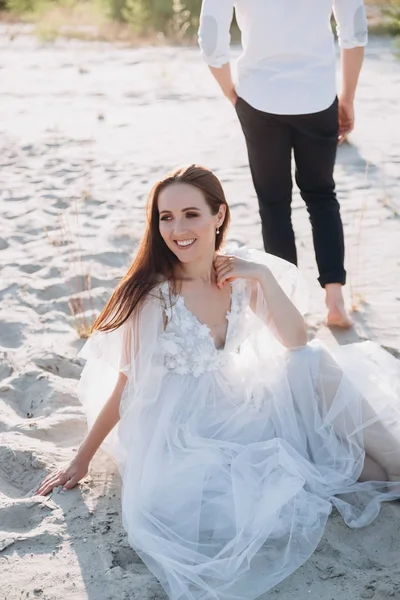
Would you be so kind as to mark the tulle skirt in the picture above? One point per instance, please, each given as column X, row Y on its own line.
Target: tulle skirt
column 225, row 493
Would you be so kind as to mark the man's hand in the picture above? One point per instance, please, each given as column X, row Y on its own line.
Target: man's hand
column 232, row 96
column 224, row 79
column 346, row 118
column 352, row 59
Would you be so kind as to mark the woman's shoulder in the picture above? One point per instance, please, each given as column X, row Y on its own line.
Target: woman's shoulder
column 159, row 295
column 161, row 286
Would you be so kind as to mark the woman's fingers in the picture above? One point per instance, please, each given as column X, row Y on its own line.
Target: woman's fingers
column 42, row 485
column 223, row 264
column 46, row 488
column 221, row 259
column 51, row 481
column 68, row 485
column 47, row 480
column 225, row 275
column 230, row 267
column 226, row 272
column 43, row 491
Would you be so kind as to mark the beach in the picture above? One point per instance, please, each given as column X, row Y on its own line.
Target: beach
column 86, row 129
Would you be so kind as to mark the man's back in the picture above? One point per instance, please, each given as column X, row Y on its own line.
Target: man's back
column 288, row 60
column 274, row 29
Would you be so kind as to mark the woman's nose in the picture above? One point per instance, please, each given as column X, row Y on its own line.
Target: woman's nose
column 179, row 226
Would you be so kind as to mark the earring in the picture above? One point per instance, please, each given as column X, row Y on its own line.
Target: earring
column 217, row 232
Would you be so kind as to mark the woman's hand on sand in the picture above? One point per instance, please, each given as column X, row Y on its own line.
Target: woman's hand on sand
column 68, row 477
column 228, row 268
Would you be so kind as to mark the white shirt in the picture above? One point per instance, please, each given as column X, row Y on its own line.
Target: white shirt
column 288, row 61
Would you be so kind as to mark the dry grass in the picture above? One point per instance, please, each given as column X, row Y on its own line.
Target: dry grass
column 78, row 21
column 356, row 298
column 80, row 297
column 383, row 16
column 84, row 21
column 77, row 276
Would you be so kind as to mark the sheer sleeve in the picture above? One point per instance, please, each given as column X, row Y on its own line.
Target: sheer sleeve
column 131, row 349
column 262, row 355
column 287, row 275
column 111, row 349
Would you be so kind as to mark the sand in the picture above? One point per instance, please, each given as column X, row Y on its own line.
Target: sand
column 84, row 132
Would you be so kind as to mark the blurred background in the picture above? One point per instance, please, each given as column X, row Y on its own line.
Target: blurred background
column 138, row 21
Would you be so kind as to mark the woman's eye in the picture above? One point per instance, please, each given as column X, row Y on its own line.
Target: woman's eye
column 191, row 215
column 166, row 218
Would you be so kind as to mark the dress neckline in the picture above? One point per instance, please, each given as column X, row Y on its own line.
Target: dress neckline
column 199, row 323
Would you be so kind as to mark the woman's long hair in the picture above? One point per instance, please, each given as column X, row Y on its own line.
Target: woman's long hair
column 154, row 261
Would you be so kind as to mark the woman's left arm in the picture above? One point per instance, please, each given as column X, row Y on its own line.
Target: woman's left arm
column 289, row 325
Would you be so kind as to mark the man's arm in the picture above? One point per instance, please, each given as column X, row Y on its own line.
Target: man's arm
column 353, row 36
column 224, row 79
column 214, row 40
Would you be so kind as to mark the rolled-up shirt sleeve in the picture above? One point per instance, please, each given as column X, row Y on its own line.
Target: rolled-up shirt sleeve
column 214, row 31
column 351, row 20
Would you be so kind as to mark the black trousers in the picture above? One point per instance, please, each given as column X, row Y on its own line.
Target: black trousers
column 313, row 137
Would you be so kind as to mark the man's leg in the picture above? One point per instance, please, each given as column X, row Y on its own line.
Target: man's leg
column 314, row 144
column 269, row 147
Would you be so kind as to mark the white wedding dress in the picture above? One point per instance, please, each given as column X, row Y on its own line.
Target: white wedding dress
column 233, row 458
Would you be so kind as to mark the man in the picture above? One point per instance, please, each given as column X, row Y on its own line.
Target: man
column 285, row 98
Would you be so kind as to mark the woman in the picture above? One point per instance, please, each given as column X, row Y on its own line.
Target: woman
column 235, row 436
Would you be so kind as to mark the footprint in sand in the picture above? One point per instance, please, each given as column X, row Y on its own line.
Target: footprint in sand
column 60, row 429
column 31, row 395
column 23, row 545
column 29, row 268
column 58, row 365
column 11, row 334
column 5, row 366
column 18, row 471
column 21, row 516
column 125, row 557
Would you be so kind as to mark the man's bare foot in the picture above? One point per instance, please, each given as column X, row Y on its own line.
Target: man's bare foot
column 338, row 317
column 337, row 314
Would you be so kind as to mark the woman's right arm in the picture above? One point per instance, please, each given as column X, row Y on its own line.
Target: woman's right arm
column 78, row 468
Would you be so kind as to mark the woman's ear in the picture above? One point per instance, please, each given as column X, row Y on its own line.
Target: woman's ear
column 221, row 214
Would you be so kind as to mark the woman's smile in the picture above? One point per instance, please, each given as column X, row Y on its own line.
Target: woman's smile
column 185, row 244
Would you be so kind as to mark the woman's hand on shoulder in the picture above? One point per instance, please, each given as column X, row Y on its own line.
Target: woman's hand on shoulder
column 229, row 267
column 68, row 477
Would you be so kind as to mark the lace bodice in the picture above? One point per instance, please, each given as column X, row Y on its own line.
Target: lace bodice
column 188, row 344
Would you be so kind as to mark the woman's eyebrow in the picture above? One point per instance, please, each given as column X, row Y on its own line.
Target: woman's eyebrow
column 183, row 209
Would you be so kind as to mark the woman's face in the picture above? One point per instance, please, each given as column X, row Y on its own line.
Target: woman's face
column 187, row 225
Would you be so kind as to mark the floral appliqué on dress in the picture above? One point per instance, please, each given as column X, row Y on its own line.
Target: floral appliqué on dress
column 188, row 344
